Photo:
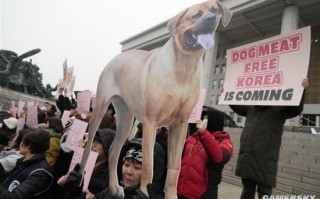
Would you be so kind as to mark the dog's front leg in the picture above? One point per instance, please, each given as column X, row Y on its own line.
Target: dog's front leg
column 148, row 139
column 124, row 123
column 176, row 139
column 94, row 123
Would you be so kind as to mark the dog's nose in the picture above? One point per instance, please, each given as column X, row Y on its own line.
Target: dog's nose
column 209, row 17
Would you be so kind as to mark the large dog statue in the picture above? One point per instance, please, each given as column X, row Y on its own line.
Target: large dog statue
column 160, row 88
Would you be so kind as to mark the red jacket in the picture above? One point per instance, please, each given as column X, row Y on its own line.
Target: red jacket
column 202, row 162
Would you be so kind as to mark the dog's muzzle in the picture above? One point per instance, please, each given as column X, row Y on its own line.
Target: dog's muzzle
column 201, row 34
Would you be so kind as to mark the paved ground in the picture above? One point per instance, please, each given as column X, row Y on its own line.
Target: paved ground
column 229, row 191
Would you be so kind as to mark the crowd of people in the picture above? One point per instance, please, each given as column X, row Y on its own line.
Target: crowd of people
column 34, row 162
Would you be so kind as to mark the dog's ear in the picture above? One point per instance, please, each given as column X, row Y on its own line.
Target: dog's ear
column 174, row 21
column 225, row 12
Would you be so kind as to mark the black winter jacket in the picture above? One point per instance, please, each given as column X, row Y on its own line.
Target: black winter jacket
column 29, row 179
column 100, row 175
column 261, row 140
column 158, row 174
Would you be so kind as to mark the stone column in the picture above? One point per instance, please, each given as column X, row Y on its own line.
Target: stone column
column 290, row 22
column 290, row 19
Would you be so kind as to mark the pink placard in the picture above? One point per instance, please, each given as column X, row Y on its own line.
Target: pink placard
column 21, row 123
column 83, row 101
column 88, row 169
column 76, row 158
column 13, row 110
column 196, row 112
column 20, row 107
column 30, row 104
column 75, row 133
column 32, row 117
column 65, row 117
column 89, row 166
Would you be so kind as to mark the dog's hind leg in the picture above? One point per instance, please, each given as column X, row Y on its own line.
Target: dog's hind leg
column 124, row 124
column 176, row 139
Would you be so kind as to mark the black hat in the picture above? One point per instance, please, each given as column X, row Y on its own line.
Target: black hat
column 105, row 137
column 215, row 119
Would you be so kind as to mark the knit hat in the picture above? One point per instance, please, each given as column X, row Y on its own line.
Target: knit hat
column 11, row 122
column 105, row 137
column 133, row 154
column 159, row 158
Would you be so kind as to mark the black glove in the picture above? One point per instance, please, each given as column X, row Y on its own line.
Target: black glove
column 74, row 183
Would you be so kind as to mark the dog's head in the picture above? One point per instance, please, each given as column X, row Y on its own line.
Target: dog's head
column 193, row 28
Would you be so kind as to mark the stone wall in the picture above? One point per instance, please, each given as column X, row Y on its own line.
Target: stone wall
column 298, row 167
column 7, row 95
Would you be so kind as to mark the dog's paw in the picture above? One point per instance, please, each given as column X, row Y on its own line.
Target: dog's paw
column 117, row 191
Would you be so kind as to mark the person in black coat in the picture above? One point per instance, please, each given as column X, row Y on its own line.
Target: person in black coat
column 31, row 178
column 100, row 175
column 64, row 103
column 129, row 173
column 260, row 142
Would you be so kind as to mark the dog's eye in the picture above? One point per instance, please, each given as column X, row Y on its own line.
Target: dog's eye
column 197, row 15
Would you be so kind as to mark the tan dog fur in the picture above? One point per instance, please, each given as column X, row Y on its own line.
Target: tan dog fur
column 159, row 87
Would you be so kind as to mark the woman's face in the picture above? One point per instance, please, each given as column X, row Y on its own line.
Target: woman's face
column 23, row 149
column 98, row 147
column 131, row 172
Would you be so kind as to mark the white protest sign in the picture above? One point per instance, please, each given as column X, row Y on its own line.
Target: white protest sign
column 268, row 72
